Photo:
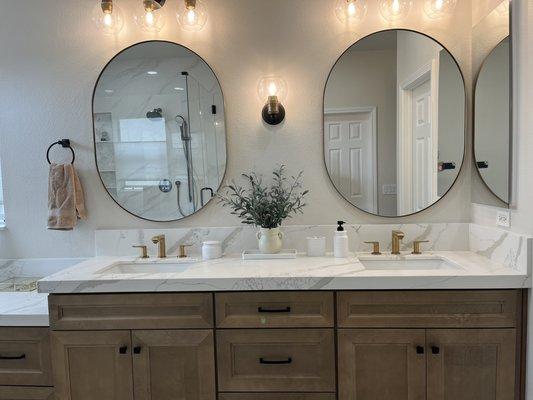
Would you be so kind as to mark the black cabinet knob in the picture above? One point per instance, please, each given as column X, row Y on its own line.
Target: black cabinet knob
column 419, row 349
column 137, row 350
column 435, row 349
column 123, row 349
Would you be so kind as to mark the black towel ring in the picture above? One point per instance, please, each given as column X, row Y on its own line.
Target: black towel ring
column 65, row 143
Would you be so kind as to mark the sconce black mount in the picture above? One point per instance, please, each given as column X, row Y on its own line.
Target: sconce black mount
column 273, row 118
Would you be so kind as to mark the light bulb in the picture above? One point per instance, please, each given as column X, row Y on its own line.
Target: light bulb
column 350, row 10
column 107, row 17
column 393, row 10
column 151, row 16
column 439, row 8
column 191, row 15
column 272, row 86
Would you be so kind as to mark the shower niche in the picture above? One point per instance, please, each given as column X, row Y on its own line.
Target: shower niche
column 159, row 131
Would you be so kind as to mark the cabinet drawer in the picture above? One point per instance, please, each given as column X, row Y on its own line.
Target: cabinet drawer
column 274, row 309
column 26, row 393
column 276, row 396
column 25, row 357
column 264, row 360
column 131, row 311
column 429, row 309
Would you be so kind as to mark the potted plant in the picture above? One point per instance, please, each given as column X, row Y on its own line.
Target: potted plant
column 266, row 206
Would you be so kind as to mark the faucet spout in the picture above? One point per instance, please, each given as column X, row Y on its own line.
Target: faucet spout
column 397, row 236
column 162, row 248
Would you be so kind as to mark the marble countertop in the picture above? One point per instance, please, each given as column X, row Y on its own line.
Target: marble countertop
column 23, row 309
column 231, row 273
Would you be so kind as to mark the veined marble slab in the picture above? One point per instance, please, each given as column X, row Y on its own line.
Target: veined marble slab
column 23, row 309
column 302, row 273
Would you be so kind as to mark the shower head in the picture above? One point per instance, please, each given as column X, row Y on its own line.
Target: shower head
column 184, row 128
column 157, row 113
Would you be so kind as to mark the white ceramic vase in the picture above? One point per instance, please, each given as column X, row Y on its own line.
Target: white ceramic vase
column 270, row 240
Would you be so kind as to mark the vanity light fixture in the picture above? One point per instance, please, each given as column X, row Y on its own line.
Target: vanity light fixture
column 274, row 90
column 151, row 17
column 393, row 10
column 350, row 10
column 439, row 8
column 108, row 17
column 191, row 15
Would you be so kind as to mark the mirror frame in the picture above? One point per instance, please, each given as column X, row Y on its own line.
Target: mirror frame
column 94, row 130
column 510, row 183
column 465, row 133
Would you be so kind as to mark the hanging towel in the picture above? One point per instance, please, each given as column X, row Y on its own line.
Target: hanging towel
column 65, row 197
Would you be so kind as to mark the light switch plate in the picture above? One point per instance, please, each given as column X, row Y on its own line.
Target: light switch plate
column 503, row 218
column 389, row 188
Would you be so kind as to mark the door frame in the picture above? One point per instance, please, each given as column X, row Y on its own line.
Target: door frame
column 373, row 131
column 404, row 137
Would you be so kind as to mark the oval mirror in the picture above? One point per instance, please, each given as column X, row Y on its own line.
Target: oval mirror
column 492, row 121
column 394, row 123
column 159, row 131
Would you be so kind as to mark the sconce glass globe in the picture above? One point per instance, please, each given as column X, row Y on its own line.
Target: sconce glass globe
column 191, row 15
column 439, row 8
column 272, row 86
column 108, row 17
column 150, row 16
column 393, row 10
column 350, row 10
column 503, row 8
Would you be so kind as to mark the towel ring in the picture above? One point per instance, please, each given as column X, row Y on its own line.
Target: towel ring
column 65, row 143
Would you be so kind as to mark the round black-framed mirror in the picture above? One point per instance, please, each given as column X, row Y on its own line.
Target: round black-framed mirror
column 159, row 116
column 394, row 122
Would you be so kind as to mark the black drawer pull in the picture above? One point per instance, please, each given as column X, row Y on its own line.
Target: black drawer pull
column 123, row 349
column 435, row 349
column 21, row 357
column 419, row 349
column 273, row 310
column 137, row 350
column 262, row 360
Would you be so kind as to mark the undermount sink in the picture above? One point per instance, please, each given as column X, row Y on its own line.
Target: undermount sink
column 147, row 267
column 406, row 264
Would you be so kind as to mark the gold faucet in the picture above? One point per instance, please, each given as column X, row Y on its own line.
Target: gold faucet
column 162, row 248
column 182, row 253
column 396, row 237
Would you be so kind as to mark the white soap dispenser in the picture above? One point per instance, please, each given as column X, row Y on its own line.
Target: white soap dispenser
column 340, row 241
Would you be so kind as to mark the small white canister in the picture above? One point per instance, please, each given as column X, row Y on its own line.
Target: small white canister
column 211, row 249
column 316, row 246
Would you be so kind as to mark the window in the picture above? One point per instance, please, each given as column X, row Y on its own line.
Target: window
column 2, row 213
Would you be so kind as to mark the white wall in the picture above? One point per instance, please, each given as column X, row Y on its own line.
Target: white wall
column 51, row 58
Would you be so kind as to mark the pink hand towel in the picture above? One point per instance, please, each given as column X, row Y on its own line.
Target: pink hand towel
column 65, row 197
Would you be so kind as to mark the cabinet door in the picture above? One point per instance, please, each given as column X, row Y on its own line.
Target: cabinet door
column 471, row 364
column 174, row 364
column 384, row 364
column 92, row 365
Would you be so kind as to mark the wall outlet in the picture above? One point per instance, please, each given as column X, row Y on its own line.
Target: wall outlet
column 503, row 218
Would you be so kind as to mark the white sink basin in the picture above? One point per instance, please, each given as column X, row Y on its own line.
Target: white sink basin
column 407, row 264
column 143, row 267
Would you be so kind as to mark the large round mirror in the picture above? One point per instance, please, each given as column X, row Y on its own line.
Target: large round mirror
column 492, row 121
column 394, row 123
column 159, row 131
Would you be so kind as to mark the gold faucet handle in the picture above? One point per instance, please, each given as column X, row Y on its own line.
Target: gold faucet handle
column 375, row 248
column 416, row 246
column 182, row 248
column 144, row 250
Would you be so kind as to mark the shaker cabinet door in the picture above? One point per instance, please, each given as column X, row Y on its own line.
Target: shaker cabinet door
column 174, row 364
column 92, row 365
column 384, row 364
column 471, row 364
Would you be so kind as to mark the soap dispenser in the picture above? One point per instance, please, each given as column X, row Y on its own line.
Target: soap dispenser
column 340, row 241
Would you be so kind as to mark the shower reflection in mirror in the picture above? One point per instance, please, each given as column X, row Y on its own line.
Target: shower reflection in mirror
column 159, row 131
column 394, row 107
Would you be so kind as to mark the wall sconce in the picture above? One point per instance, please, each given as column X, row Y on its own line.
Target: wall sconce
column 191, row 15
column 439, row 8
column 108, row 17
column 350, row 10
column 393, row 10
column 274, row 90
column 151, row 17
column 504, row 8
